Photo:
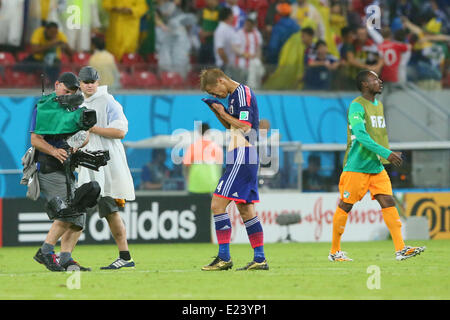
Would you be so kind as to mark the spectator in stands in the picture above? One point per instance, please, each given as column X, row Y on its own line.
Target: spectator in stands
column 366, row 51
column 209, row 20
column 391, row 51
column 307, row 15
column 337, row 21
column 249, row 53
column 280, row 32
column 272, row 17
column 11, row 24
column 320, row 68
column 78, row 36
column 172, row 41
column 122, row 35
column 312, row 180
column 105, row 64
column 225, row 41
column 239, row 14
column 427, row 56
column 202, row 163
column 307, row 35
column 349, row 65
column 154, row 173
column 48, row 44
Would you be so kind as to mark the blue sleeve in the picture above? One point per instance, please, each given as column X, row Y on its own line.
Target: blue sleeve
column 114, row 111
column 33, row 120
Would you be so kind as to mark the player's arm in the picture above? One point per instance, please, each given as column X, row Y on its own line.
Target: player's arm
column 117, row 123
column 111, row 133
column 230, row 120
column 356, row 121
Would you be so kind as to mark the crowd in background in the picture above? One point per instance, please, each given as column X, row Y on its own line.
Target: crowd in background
column 268, row 44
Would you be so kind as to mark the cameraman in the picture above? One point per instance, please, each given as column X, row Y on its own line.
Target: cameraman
column 115, row 179
column 51, row 152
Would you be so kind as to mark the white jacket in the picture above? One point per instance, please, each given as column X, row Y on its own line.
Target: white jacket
column 115, row 178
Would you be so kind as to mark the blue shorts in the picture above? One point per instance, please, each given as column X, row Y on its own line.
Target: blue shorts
column 239, row 183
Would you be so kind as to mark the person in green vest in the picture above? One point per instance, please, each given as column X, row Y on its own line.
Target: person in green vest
column 203, row 163
column 367, row 151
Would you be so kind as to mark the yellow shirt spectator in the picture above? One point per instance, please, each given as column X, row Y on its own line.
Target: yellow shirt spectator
column 122, row 35
column 45, row 40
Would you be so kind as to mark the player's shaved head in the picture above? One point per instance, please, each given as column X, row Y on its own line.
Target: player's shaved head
column 362, row 77
column 210, row 77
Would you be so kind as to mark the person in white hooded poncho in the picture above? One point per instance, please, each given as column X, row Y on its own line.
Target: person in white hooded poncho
column 115, row 178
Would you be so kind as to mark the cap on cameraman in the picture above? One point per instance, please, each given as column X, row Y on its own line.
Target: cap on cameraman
column 88, row 74
column 70, row 80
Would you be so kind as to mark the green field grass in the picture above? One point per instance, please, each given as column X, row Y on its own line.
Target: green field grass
column 172, row 272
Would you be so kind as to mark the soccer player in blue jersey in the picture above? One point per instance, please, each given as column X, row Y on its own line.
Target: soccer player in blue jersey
column 239, row 183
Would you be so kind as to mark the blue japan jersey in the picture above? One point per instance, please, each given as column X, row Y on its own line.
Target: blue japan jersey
column 242, row 106
column 239, row 182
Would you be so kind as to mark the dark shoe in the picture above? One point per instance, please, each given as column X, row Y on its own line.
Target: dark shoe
column 72, row 265
column 48, row 260
column 119, row 264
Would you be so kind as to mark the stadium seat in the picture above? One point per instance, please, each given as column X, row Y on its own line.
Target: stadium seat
column 126, row 80
column 22, row 55
column 2, row 82
column 152, row 59
column 172, row 80
column 146, row 79
column 81, row 58
column 65, row 59
column 193, row 79
column 133, row 62
column 67, row 68
column 130, row 59
column 17, row 79
column 6, row 58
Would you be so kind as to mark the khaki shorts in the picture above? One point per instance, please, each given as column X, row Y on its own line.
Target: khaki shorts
column 353, row 186
column 106, row 206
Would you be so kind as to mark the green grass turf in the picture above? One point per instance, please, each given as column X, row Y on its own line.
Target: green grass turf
column 172, row 271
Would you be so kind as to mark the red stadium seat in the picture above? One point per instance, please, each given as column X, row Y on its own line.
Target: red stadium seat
column 193, row 79
column 126, row 80
column 146, row 79
column 65, row 59
column 67, row 68
column 133, row 62
column 22, row 55
column 129, row 59
column 17, row 79
column 6, row 58
column 152, row 59
column 2, row 82
column 81, row 58
column 172, row 80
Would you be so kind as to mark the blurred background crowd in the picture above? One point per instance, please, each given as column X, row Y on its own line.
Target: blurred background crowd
column 267, row 44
